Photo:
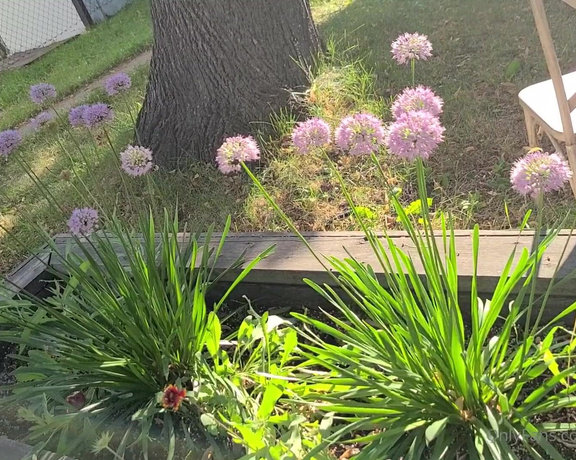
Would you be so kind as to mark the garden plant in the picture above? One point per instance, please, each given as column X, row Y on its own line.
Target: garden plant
column 128, row 355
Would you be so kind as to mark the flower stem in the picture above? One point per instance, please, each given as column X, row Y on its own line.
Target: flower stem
column 536, row 264
column 117, row 160
column 413, row 67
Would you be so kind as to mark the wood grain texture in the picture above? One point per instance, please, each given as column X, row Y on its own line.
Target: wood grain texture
column 278, row 280
column 291, row 261
column 29, row 276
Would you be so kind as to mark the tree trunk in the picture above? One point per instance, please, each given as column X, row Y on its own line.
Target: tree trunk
column 217, row 67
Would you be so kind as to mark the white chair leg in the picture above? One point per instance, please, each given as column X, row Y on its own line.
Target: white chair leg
column 571, row 154
column 557, row 145
column 531, row 129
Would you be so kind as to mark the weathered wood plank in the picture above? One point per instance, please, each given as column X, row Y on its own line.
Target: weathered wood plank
column 291, row 261
column 278, row 280
column 572, row 3
column 13, row 450
column 29, row 276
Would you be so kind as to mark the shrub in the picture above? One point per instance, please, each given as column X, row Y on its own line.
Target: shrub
column 124, row 337
column 404, row 369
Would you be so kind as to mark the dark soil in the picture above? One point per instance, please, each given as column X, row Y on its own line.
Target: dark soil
column 11, row 425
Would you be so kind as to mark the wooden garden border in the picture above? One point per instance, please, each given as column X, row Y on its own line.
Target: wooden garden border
column 277, row 280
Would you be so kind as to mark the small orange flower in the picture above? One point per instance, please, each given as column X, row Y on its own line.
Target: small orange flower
column 173, row 397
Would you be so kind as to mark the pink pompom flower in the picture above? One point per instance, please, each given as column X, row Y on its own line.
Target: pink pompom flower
column 41, row 119
column 311, row 135
column 234, row 150
column 9, row 141
column 419, row 98
column 42, row 92
column 76, row 115
column 539, row 172
column 414, row 135
column 117, row 83
column 83, row 221
column 136, row 161
column 409, row 47
column 360, row 134
column 97, row 115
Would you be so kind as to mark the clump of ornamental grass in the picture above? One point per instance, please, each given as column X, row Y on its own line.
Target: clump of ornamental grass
column 131, row 337
column 404, row 375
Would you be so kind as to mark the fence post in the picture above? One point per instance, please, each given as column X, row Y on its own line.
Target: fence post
column 83, row 13
column 3, row 49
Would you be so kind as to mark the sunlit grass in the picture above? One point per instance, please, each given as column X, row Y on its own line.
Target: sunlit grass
column 74, row 64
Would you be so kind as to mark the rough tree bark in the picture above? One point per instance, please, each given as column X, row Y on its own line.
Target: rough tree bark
column 217, row 67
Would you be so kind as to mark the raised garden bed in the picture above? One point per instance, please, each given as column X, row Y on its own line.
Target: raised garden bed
column 276, row 283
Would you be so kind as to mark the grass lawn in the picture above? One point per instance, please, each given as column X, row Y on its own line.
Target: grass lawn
column 77, row 62
column 484, row 52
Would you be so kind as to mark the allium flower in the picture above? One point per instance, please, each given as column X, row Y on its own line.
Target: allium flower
column 234, row 150
column 117, row 83
column 76, row 115
column 310, row 135
column 9, row 141
column 419, row 98
column 42, row 92
column 41, row 119
column 96, row 115
column 173, row 397
column 414, row 135
column 360, row 134
column 408, row 47
column 539, row 172
column 136, row 161
column 83, row 221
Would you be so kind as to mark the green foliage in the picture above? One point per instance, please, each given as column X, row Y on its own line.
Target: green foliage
column 76, row 63
column 130, row 318
column 402, row 368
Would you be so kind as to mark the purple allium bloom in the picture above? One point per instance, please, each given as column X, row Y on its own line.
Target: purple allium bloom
column 360, row 134
column 42, row 92
column 408, row 47
column 419, row 98
column 136, row 161
column 234, row 150
column 414, row 135
column 41, row 119
column 83, row 221
column 76, row 115
column 96, row 115
column 9, row 141
column 117, row 83
column 539, row 172
column 310, row 135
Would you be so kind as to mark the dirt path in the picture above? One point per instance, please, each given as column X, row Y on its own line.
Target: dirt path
column 77, row 98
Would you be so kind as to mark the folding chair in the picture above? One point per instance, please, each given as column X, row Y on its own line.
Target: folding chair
column 551, row 104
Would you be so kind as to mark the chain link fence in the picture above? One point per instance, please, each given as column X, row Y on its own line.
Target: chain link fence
column 30, row 27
